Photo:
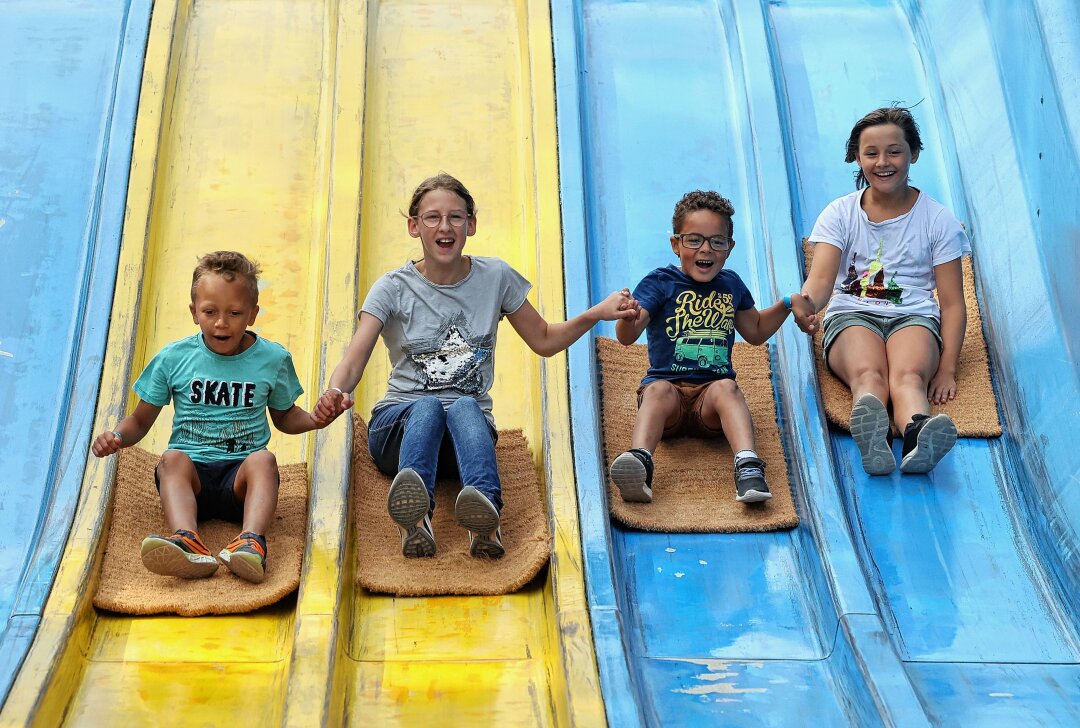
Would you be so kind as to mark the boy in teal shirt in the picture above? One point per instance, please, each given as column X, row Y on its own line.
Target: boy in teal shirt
column 221, row 381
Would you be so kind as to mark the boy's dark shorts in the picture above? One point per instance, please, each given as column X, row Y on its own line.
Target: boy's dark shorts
column 216, row 498
column 691, row 399
column 883, row 326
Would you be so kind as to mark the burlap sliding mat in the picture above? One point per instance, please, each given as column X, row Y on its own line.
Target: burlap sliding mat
column 975, row 408
column 380, row 564
column 126, row 585
column 694, row 479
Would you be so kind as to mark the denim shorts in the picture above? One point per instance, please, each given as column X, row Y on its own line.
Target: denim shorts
column 691, row 397
column 883, row 326
column 216, row 498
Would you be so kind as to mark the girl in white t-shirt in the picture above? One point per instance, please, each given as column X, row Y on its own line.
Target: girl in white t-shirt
column 438, row 317
column 886, row 247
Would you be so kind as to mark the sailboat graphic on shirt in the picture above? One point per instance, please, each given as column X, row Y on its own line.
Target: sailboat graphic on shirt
column 871, row 284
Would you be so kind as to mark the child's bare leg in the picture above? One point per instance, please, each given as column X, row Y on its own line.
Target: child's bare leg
column 913, row 360
column 256, row 486
column 724, row 408
column 858, row 357
column 659, row 409
column 178, row 484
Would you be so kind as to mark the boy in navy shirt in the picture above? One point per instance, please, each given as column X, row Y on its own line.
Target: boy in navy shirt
column 690, row 313
column 221, row 381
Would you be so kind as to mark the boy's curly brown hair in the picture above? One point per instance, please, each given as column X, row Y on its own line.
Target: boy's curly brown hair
column 230, row 265
column 700, row 200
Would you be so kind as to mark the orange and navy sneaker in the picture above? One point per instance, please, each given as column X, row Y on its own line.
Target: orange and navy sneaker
column 183, row 554
column 246, row 556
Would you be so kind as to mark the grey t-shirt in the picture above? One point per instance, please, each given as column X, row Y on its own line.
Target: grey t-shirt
column 441, row 338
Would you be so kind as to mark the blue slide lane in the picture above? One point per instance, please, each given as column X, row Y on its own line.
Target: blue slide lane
column 947, row 599
column 69, row 84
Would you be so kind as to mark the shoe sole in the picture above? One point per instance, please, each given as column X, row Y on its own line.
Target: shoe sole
column 476, row 513
column 407, row 503
column 248, row 567
column 935, row 439
column 168, row 559
column 869, row 429
column 754, row 496
column 628, row 474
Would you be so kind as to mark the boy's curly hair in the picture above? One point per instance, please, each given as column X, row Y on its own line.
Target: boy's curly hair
column 700, row 200
column 230, row 265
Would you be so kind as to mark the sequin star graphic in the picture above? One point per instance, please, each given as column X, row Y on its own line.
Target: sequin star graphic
column 452, row 358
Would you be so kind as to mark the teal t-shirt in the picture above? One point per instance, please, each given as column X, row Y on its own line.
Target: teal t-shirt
column 219, row 401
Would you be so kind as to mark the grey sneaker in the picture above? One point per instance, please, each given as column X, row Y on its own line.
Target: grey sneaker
column 926, row 440
column 183, row 554
column 870, row 430
column 407, row 502
column 750, row 485
column 478, row 515
column 632, row 474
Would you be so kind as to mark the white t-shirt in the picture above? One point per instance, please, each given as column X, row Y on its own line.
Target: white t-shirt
column 887, row 268
column 441, row 338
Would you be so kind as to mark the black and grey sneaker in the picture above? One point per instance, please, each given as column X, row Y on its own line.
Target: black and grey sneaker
column 750, row 485
column 632, row 474
column 870, row 430
column 479, row 516
column 407, row 502
column 926, row 440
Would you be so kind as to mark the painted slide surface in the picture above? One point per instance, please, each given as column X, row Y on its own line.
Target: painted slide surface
column 947, row 599
column 69, row 81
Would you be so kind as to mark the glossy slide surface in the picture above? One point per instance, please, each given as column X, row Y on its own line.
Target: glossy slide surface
column 231, row 151
column 69, row 83
column 469, row 92
column 948, row 599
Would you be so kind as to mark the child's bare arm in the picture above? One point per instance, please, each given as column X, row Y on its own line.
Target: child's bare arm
column 950, row 288
column 819, row 285
column 628, row 330
column 128, row 431
column 295, row 420
column 757, row 326
column 548, row 339
column 338, row 395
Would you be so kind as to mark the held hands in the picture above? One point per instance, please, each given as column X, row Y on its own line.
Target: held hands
column 619, row 305
column 806, row 317
column 106, row 444
column 942, row 388
column 331, row 404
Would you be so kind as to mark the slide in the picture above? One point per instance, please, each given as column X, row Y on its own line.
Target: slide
column 69, row 80
column 947, row 599
column 274, row 127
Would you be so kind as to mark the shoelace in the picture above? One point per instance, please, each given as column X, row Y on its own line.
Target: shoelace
column 249, row 541
column 750, row 471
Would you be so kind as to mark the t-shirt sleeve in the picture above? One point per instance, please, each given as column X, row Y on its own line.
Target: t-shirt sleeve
column 949, row 240
column 286, row 386
column 380, row 299
column 650, row 294
column 829, row 227
column 514, row 289
column 152, row 386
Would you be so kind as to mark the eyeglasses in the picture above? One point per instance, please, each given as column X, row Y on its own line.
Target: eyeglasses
column 432, row 219
column 693, row 241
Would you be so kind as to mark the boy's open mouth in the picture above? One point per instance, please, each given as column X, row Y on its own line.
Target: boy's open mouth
column 445, row 243
column 703, row 264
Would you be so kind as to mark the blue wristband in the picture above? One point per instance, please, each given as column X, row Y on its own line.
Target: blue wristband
column 787, row 302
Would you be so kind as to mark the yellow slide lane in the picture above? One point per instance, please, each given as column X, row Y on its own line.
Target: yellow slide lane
column 232, row 150
column 470, row 91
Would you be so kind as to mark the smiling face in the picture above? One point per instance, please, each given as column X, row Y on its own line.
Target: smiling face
column 885, row 158
column 703, row 264
column 442, row 244
column 224, row 310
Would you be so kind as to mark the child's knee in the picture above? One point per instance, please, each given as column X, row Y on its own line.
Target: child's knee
column 659, row 394
column 173, row 461
column 262, row 464
column 464, row 409
column 428, row 409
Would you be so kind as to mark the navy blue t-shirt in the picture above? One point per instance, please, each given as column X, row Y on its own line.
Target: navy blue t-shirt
column 691, row 325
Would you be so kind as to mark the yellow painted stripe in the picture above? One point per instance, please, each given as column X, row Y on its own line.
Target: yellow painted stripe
column 232, row 151
column 470, row 91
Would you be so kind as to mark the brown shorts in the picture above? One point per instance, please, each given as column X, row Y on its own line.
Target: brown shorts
column 689, row 423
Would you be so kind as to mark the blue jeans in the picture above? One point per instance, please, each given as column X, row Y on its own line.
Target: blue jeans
column 458, row 441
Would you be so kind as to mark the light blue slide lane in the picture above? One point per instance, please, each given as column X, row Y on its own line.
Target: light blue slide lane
column 655, row 99
column 69, row 84
column 975, row 566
